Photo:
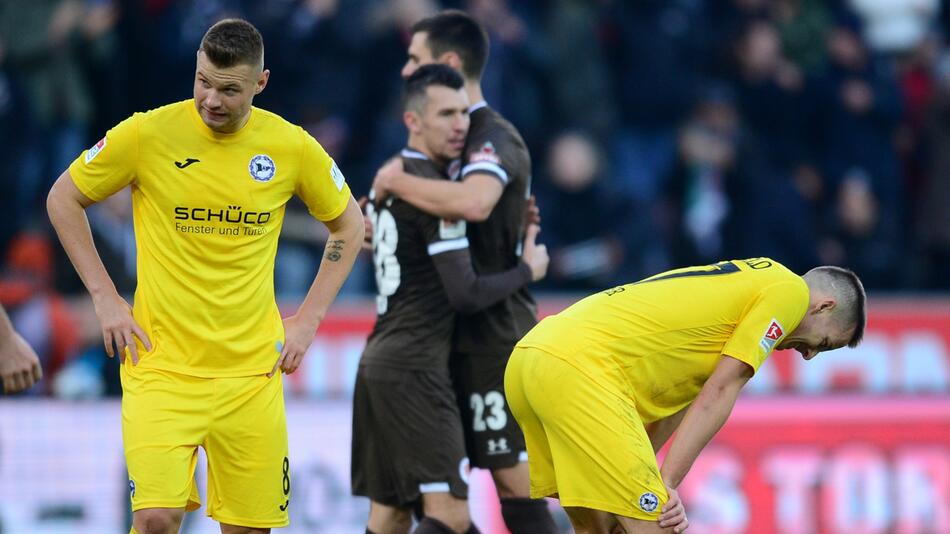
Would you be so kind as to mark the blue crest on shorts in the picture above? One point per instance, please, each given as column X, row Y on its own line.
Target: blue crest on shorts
column 131, row 488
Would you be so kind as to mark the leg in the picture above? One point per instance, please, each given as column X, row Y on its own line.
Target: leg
column 249, row 468
column 235, row 529
column 448, row 510
column 157, row 520
column 512, row 481
column 639, row 526
column 588, row 521
column 388, row 519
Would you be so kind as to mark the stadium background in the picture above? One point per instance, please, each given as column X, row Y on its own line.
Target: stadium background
column 663, row 132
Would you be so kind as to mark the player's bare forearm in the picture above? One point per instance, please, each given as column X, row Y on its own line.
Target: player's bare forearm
column 704, row 418
column 66, row 207
column 472, row 199
column 343, row 245
column 660, row 431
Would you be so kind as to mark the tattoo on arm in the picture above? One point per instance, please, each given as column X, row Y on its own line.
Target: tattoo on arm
column 333, row 249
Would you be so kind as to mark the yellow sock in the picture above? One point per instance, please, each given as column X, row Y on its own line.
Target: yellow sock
column 133, row 531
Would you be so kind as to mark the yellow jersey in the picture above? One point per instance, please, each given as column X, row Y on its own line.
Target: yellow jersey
column 207, row 209
column 661, row 338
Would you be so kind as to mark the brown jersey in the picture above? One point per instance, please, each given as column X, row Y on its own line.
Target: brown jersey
column 495, row 147
column 414, row 321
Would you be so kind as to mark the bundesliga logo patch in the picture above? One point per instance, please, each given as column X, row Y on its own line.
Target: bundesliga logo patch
column 94, row 150
column 772, row 334
column 649, row 501
column 337, row 176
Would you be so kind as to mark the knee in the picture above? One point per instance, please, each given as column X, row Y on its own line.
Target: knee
column 453, row 513
column 157, row 520
column 512, row 482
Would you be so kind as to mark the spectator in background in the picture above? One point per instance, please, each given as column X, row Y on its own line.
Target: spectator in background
column 36, row 310
column 44, row 42
column 802, row 25
column 707, row 190
column 858, row 112
column 895, row 27
column 863, row 234
column 581, row 94
column 588, row 227
column 932, row 215
column 657, row 50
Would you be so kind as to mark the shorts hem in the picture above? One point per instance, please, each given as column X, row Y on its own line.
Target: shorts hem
column 540, row 493
column 252, row 523
column 610, row 508
column 188, row 505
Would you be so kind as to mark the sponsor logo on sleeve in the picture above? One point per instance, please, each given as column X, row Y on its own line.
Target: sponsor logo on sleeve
column 337, row 175
column 485, row 153
column 95, row 150
column 262, row 168
column 451, row 229
column 772, row 334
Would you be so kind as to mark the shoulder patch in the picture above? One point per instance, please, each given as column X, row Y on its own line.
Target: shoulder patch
column 485, row 153
column 94, row 150
column 337, row 175
column 451, row 229
column 772, row 334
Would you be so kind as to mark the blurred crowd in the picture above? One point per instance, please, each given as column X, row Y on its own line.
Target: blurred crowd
column 664, row 133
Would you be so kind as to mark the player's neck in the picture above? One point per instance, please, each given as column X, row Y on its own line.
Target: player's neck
column 474, row 91
column 417, row 145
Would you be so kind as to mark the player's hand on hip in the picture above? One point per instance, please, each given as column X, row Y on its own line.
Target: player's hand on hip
column 534, row 254
column 119, row 328
column 19, row 365
column 382, row 182
column 673, row 513
column 298, row 335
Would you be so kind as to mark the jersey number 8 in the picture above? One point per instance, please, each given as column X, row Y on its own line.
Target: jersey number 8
column 385, row 239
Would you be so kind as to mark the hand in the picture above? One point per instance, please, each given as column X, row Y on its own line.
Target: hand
column 119, row 327
column 367, row 225
column 19, row 365
column 535, row 255
column 674, row 513
column 532, row 213
column 382, row 182
column 298, row 335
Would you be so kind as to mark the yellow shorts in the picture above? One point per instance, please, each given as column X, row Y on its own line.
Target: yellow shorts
column 585, row 440
column 241, row 424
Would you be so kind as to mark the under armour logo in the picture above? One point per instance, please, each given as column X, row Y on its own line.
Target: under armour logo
column 498, row 446
column 187, row 162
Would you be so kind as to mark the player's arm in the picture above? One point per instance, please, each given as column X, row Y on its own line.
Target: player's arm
column 19, row 365
column 705, row 417
column 66, row 206
column 660, row 431
column 471, row 199
column 343, row 245
column 468, row 292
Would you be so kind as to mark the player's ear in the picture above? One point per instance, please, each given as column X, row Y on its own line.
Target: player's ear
column 412, row 121
column 261, row 81
column 827, row 304
column 451, row 59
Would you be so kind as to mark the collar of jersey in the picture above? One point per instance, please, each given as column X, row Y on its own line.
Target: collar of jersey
column 218, row 136
column 412, row 153
column 475, row 107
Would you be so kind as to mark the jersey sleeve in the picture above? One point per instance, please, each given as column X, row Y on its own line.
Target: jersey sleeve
column 111, row 163
column 320, row 184
column 774, row 314
column 486, row 155
column 441, row 235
